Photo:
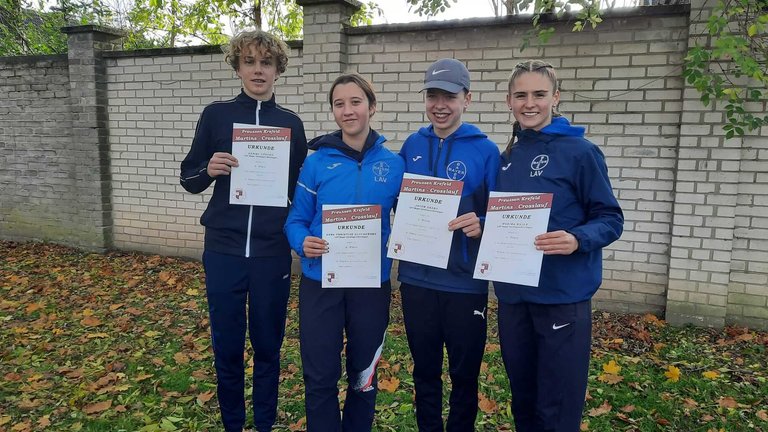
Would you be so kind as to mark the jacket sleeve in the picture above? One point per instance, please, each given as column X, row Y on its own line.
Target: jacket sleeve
column 298, row 154
column 604, row 218
column 194, row 168
column 490, row 174
column 302, row 211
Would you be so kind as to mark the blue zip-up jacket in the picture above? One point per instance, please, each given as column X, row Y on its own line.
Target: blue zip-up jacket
column 559, row 160
column 467, row 155
column 337, row 174
column 250, row 231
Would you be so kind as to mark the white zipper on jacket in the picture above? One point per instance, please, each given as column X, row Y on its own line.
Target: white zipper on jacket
column 250, row 208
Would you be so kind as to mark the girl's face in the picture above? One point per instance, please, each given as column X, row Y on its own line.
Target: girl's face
column 532, row 100
column 352, row 111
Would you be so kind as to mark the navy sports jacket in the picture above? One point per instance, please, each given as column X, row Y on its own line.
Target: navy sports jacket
column 559, row 160
column 243, row 230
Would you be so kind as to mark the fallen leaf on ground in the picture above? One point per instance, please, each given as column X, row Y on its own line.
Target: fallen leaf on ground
column 672, row 373
column 97, row 407
column 611, row 368
column 389, row 385
column 602, row 409
column 299, row 425
column 486, row 405
column 610, row 378
column 202, row 398
column 90, row 321
column 181, row 358
column 727, row 402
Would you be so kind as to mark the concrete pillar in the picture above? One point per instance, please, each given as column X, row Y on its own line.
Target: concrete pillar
column 324, row 57
column 706, row 192
column 90, row 145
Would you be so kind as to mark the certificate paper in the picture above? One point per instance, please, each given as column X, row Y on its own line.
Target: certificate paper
column 420, row 233
column 513, row 221
column 353, row 233
column 263, row 154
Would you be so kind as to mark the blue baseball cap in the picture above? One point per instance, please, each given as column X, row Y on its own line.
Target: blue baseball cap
column 447, row 74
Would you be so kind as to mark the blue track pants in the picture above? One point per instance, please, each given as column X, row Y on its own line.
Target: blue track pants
column 325, row 316
column 546, row 354
column 262, row 284
column 458, row 321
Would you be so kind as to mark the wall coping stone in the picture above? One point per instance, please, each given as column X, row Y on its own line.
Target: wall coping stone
column 92, row 29
column 16, row 60
column 641, row 11
column 200, row 49
column 353, row 3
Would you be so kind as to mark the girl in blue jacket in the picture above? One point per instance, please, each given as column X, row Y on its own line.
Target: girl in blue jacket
column 350, row 166
column 545, row 331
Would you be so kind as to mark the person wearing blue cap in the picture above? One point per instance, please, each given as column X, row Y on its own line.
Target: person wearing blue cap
column 447, row 307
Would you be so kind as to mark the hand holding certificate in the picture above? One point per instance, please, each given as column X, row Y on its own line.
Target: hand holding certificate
column 263, row 154
column 420, row 233
column 507, row 252
column 353, row 233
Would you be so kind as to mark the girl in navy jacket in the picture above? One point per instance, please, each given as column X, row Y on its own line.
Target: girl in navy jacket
column 545, row 331
column 350, row 166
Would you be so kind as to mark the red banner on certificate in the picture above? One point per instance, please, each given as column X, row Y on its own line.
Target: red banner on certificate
column 351, row 214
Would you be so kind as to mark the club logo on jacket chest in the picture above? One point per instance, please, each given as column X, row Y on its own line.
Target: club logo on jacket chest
column 456, row 170
column 538, row 163
column 380, row 170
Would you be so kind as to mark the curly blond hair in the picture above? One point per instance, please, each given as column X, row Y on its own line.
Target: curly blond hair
column 263, row 41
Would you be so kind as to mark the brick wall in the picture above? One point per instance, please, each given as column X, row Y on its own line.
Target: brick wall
column 623, row 83
column 695, row 244
column 37, row 168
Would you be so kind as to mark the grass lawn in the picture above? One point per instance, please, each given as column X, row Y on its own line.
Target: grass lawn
column 120, row 342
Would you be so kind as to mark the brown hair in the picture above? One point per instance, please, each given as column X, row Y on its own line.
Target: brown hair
column 271, row 45
column 357, row 79
column 535, row 66
column 531, row 66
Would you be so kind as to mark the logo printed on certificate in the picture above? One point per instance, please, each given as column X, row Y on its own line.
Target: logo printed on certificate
column 398, row 248
column 485, row 268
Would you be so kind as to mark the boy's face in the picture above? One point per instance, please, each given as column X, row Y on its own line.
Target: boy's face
column 444, row 110
column 257, row 70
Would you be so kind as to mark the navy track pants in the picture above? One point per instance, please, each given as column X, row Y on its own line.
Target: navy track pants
column 546, row 353
column 325, row 316
column 263, row 284
column 457, row 320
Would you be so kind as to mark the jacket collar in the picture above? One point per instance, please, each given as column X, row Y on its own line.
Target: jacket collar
column 244, row 98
